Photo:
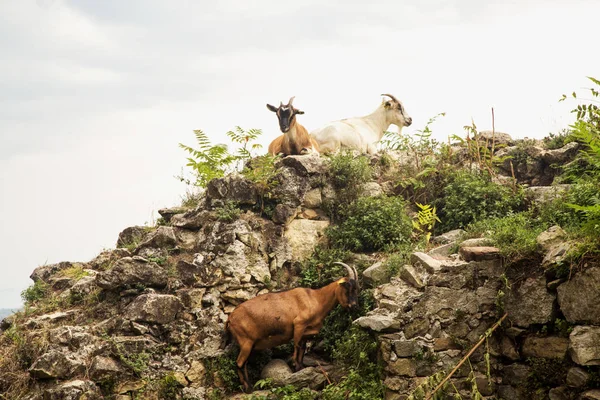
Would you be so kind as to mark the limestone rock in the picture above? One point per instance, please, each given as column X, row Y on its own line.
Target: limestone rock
column 302, row 236
column 371, row 189
column 157, row 308
column 515, row 374
column 377, row 274
column 74, row 390
column 562, row 155
column 45, row 272
column 168, row 213
column 196, row 373
column 292, row 187
column 555, row 255
column 430, row 264
column 163, row 236
column 104, row 368
column 559, row 393
column 278, row 370
column 132, row 236
column 233, row 188
column 107, row 258
column 378, row 322
column 545, row 347
column 583, row 346
column 50, row 319
column 530, row 303
column 479, row 253
column 410, row 276
column 498, row 139
column 193, row 219
column 551, row 237
column 194, row 393
column 475, row 242
column 311, row 377
column 130, row 271
column 593, row 394
column 57, row 364
column 545, row 194
column 313, row 198
column 402, row 367
column 305, row 165
column 284, row 214
column 577, row 377
column 579, row 298
column 448, row 237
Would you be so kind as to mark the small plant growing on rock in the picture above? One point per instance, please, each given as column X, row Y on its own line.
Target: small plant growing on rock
column 36, row 292
column 229, row 212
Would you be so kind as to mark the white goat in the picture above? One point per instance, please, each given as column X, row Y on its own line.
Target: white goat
column 362, row 133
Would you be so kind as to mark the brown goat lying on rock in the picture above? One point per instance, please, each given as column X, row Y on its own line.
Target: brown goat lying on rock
column 295, row 139
column 273, row 319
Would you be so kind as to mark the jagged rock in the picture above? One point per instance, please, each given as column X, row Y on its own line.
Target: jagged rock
column 377, row 274
column 399, row 293
column 562, row 155
column 74, row 390
column 57, row 364
column 194, row 393
column 448, row 237
column 163, row 236
column 479, row 253
column 406, row 348
column 191, row 298
column 130, row 271
column 312, row 198
column 550, row 237
column 85, row 285
column 193, row 219
column 239, row 260
column 515, row 374
column 304, row 165
column 158, row 308
column 133, row 344
column 50, row 319
column 371, row 189
column 168, row 213
column 545, row 347
column 402, row 367
column 410, row 276
column 302, row 236
column 559, row 393
column 484, row 385
column 444, row 302
column 104, row 368
column 442, row 251
column 583, row 346
column 475, row 242
column 508, row 349
column 107, row 258
column 498, row 139
column 593, row 394
column 308, row 377
column 132, row 236
column 284, row 214
column 577, row 377
column 233, row 188
column 278, row 370
column 196, row 373
column 308, row 213
column 545, row 194
column 206, row 340
column 73, row 336
column 292, row 187
column 45, row 272
column 430, row 264
column 378, row 322
column 530, row 303
column 556, row 255
column 238, row 296
column 579, row 298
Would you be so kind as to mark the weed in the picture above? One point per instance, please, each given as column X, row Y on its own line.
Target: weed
column 229, row 212
column 169, row 387
column 36, row 292
column 76, row 272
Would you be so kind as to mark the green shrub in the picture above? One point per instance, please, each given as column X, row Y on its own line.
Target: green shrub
column 356, row 386
column 319, row 269
column 372, row 224
column 225, row 367
column 169, row 387
column 546, row 374
column 36, row 292
column 514, row 234
column 229, row 212
column 471, row 197
column 557, row 140
column 396, row 261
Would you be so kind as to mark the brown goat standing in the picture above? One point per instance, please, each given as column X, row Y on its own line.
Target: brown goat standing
column 273, row 319
column 295, row 139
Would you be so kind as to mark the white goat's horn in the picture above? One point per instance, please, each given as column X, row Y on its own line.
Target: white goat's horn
column 392, row 97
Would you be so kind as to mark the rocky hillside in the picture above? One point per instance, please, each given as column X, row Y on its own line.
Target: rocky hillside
column 145, row 320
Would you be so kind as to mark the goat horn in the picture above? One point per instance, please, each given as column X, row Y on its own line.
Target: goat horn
column 392, row 97
column 291, row 101
column 351, row 271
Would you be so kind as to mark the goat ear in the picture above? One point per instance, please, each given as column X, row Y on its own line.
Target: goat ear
column 272, row 108
column 387, row 104
column 299, row 112
column 342, row 281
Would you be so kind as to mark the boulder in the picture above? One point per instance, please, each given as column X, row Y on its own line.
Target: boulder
column 371, row 189
column 51, row 319
column 45, row 272
column 168, row 213
column 545, row 194
column 409, row 275
column 559, row 393
column 312, row 198
column 479, row 253
column 577, row 377
column 579, row 298
column 196, row 373
column 162, row 237
column 530, row 303
column 499, row 139
column 448, row 237
column 57, row 364
column 545, row 347
column 583, row 345
column 377, row 274
column 311, row 377
column 291, row 188
column 234, row 188
column 555, row 255
column 550, row 237
column 430, row 264
column 278, row 370
column 74, row 390
column 107, row 258
column 304, row 165
column 132, row 236
column 284, row 214
column 104, row 368
column 193, row 219
column 563, row 155
column 302, row 236
column 130, row 271
column 154, row 308
column 378, row 322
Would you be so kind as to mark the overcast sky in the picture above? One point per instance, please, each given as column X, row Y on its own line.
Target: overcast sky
column 96, row 95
